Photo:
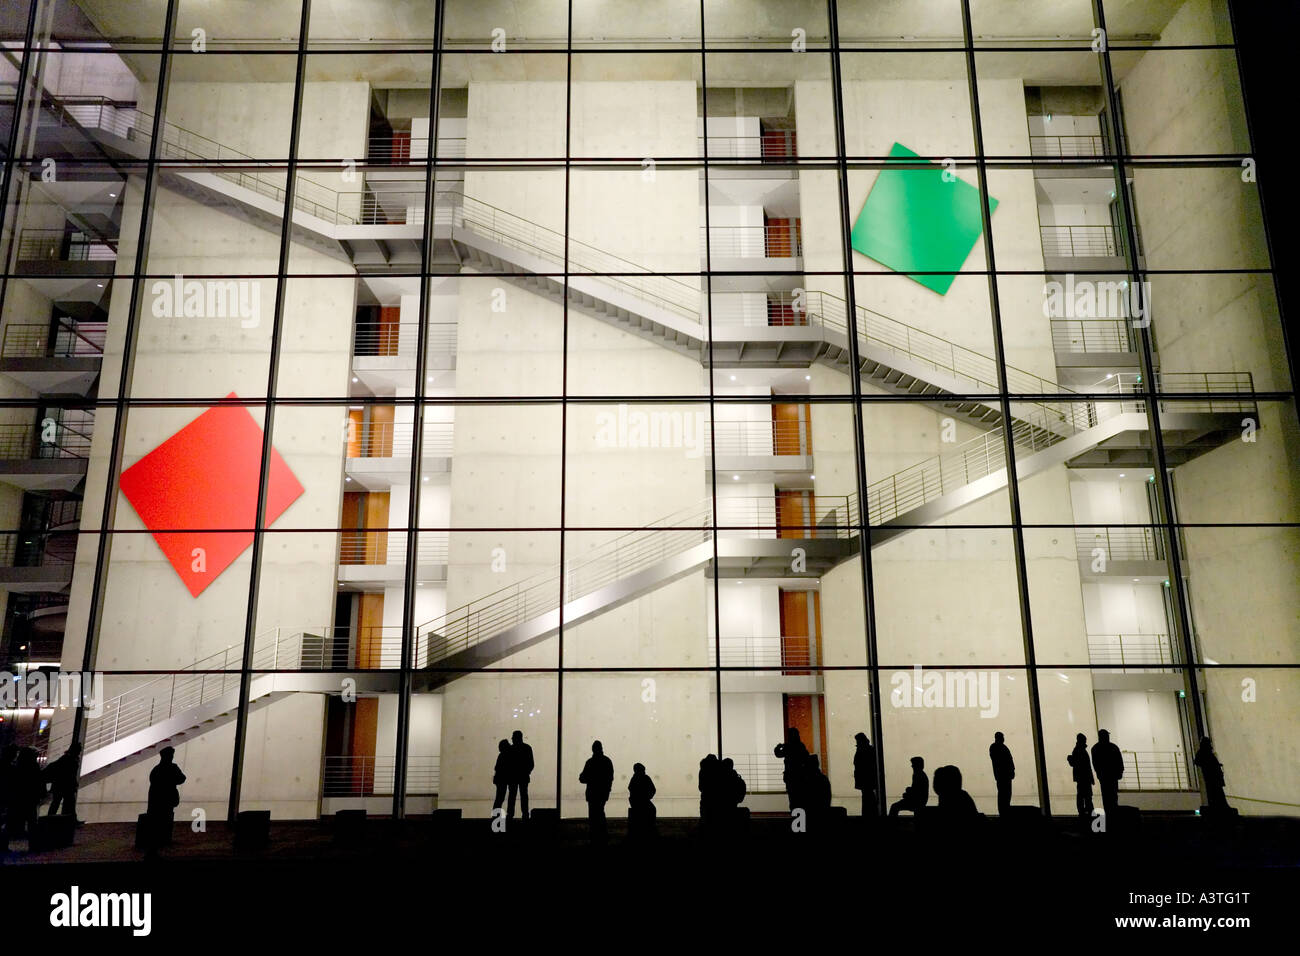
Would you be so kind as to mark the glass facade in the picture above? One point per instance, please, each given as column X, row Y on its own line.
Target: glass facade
column 382, row 378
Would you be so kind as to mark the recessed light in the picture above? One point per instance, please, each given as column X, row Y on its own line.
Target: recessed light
column 733, row 378
column 426, row 478
column 1135, row 580
column 99, row 285
column 807, row 378
column 1121, row 474
column 347, row 479
column 354, row 378
column 812, row 477
column 735, row 477
column 113, row 195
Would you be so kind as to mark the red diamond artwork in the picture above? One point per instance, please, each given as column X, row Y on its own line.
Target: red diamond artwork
column 205, row 477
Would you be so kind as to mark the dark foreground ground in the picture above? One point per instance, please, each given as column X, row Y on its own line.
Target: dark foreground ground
column 431, row 882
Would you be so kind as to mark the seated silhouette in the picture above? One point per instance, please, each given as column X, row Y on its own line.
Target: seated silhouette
column 956, row 808
column 917, row 795
column 641, row 811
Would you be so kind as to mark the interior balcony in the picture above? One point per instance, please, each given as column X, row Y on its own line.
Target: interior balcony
column 1134, row 662
column 385, row 357
column 49, row 456
column 375, row 560
column 34, row 562
column 760, row 451
column 766, row 665
column 379, row 454
column 54, row 359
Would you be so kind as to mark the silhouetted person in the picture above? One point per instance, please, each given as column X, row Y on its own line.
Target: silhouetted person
column 1108, row 762
column 61, row 774
column 1004, row 771
column 1081, row 766
column 521, row 769
column 817, row 786
column 1212, row 774
column 501, row 773
column 640, row 806
column 7, row 758
column 955, row 805
column 731, row 789
column 598, row 775
column 710, row 778
column 795, row 755
column 917, row 795
column 26, row 789
column 164, row 796
column 864, row 775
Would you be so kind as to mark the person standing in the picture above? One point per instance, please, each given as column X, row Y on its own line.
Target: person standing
column 521, row 769
column 1081, row 768
column 795, row 755
column 1108, row 762
column 598, row 775
column 501, row 774
column 1212, row 774
column 1004, row 771
column 61, row 774
column 864, row 775
column 164, row 796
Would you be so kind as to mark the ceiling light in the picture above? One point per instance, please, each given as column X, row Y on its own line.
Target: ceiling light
column 733, row 378
column 354, row 378
column 735, row 477
column 807, row 378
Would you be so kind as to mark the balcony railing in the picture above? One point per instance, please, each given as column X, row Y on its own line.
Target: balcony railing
column 772, row 144
column 1119, row 544
column 760, row 438
column 62, row 245
column 1092, row 335
column 1076, row 145
column 69, row 339
column 399, row 340
column 401, row 149
column 747, row 242
column 395, row 439
column 1122, row 651
column 359, row 776
column 49, row 439
column 764, row 653
column 1155, row 770
column 1079, row 241
column 389, row 547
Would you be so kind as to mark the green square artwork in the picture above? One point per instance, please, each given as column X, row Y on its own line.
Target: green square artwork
column 914, row 221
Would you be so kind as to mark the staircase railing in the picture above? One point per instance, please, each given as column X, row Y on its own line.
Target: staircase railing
column 519, row 233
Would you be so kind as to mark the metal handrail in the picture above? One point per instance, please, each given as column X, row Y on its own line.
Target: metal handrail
column 1155, row 770
column 758, row 438
column 1077, row 241
column 1119, row 543
column 392, row 341
column 359, row 546
column 1070, row 145
column 49, row 245
column 351, row 775
column 748, row 242
column 71, row 339
column 1092, row 335
column 1141, row 651
column 507, row 228
column 396, row 439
